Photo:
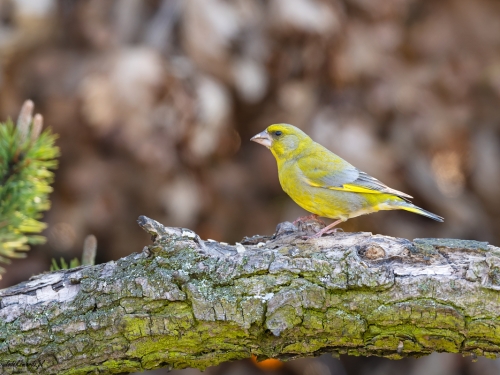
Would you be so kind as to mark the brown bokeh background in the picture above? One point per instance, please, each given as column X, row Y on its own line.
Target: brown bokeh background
column 155, row 102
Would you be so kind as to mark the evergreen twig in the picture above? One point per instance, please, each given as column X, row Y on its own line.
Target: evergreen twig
column 27, row 157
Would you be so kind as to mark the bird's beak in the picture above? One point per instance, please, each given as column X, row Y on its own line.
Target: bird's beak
column 263, row 138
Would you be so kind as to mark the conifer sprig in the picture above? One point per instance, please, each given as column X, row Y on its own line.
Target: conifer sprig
column 27, row 157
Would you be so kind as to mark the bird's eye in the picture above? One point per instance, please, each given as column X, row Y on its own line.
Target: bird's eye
column 278, row 133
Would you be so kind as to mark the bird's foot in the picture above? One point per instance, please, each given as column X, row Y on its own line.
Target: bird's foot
column 312, row 217
column 309, row 225
column 326, row 230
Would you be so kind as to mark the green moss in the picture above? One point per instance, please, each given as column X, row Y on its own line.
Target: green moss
column 122, row 366
column 474, row 344
column 486, row 330
column 313, row 320
column 491, row 355
column 180, row 360
column 136, row 326
column 421, row 313
column 306, row 346
column 206, row 337
column 343, row 327
column 391, row 341
column 440, row 340
column 425, row 243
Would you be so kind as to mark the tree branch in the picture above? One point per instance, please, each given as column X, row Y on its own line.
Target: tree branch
column 185, row 302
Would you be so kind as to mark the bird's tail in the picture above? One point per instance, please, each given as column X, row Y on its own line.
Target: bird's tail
column 417, row 210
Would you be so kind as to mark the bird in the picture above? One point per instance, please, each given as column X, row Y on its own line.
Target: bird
column 325, row 184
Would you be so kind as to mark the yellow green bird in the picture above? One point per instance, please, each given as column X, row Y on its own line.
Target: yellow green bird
column 325, row 184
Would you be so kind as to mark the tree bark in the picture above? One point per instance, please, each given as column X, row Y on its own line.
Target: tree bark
column 184, row 302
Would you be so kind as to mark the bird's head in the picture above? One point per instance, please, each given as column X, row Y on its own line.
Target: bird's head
column 283, row 140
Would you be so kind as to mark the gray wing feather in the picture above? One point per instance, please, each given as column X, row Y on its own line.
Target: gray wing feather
column 328, row 170
column 369, row 182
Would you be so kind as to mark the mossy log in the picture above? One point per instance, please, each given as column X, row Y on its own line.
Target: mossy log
column 185, row 302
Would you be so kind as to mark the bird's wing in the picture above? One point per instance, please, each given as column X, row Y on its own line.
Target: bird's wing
column 368, row 184
column 324, row 169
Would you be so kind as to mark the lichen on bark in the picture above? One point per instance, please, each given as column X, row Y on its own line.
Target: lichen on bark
column 184, row 302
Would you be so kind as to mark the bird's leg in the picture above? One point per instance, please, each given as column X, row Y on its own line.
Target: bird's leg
column 327, row 229
column 308, row 217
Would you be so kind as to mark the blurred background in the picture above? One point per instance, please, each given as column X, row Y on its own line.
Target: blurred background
column 155, row 101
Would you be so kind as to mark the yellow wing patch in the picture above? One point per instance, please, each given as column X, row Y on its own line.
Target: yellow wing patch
column 356, row 189
column 360, row 189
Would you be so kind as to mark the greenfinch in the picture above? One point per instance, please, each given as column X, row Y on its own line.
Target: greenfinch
column 325, row 184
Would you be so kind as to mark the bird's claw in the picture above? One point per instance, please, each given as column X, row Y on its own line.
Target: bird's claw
column 323, row 231
column 312, row 217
